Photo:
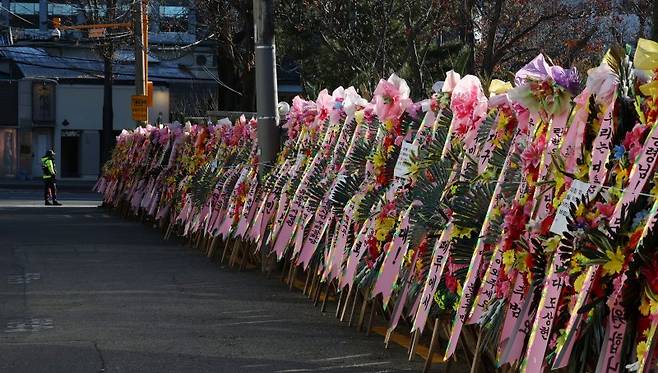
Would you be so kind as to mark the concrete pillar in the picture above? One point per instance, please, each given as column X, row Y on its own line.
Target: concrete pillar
column 43, row 15
column 6, row 17
column 154, row 16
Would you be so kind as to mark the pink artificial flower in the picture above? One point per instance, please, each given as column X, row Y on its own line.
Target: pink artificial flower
column 452, row 78
column 633, row 141
column 253, row 128
column 531, row 156
column 602, row 82
column 468, row 104
column 338, row 95
column 499, row 101
column 391, row 98
column 324, row 105
column 352, row 102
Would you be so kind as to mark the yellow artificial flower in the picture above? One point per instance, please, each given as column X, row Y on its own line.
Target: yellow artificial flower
column 578, row 284
column 508, row 260
column 641, row 349
column 654, row 190
column 387, row 223
column 615, row 262
column 381, row 234
column 413, row 169
column 388, row 125
column 497, row 87
column 645, row 308
column 503, row 120
column 495, row 213
column 562, row 338
column 378, row 160
column 620, row 178
column 523, row 200
column 409, row 255
column 559, row 182
column 558, row 201
column 551, row 244
column 521, row 264
column 461, row 232
column 358, row 116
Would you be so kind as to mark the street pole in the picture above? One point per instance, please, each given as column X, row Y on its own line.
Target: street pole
column 140, row 52
column 266, row 90
column 145, row 44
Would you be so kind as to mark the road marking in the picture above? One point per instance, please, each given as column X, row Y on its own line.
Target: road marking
column 29, row 325
column 252, row 316
column 251, row 322
column 334, row 367
column 244, row 311
column 255, row 366
column 340, row 358
column 23, row 278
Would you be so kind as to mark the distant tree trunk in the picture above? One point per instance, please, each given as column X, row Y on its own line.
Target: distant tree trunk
column 468, row 34
column 108, row 112
column 489, row 62
column 416, row 75
column 227, row 100
column 654, row 21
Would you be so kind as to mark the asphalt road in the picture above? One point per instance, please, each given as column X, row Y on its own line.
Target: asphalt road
column 84, row 291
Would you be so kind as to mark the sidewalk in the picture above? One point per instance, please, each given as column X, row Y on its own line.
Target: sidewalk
column 67, row 185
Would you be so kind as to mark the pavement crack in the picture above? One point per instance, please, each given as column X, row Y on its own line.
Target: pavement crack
column 100, row 357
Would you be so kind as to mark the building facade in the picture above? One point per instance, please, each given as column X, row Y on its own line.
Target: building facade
column 51, row 82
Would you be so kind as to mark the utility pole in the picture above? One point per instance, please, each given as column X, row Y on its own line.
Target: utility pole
column 266, row 90
column 140, row 29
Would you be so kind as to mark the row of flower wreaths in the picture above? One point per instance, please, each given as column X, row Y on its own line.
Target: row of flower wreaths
column 529, row 210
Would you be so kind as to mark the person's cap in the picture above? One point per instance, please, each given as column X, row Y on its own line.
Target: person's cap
column 50, row 153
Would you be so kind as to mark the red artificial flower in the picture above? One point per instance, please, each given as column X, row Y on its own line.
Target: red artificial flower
column 635, row 238
column 451, row 283
column 388, row 141
column 503, row 284
column 650, row 273
column 546, row 224
column 382, row 179
column 422, row 246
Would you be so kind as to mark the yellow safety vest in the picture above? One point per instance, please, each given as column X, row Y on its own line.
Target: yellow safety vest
column 48, row 167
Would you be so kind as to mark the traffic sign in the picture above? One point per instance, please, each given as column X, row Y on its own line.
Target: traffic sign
column 139, row 108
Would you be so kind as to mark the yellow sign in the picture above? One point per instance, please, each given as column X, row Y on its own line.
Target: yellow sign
column 139, row 108
column 96, row 33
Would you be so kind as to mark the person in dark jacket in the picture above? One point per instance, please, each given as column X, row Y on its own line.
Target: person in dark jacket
column 49, row 173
